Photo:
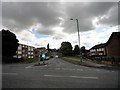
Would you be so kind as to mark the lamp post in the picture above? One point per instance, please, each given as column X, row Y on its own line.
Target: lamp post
column 78, row 32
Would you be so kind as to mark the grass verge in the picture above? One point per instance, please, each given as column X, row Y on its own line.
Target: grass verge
column 71, row 59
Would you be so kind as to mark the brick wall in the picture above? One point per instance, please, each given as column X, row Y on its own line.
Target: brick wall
column 113, row 47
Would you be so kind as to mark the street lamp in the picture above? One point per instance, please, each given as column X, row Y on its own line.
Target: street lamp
column 78, row 33
column 78, row 30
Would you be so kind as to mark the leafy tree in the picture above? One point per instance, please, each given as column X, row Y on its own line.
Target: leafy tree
column 66, row 48
column 76, row 50
column 9, row 43
column 83, row 50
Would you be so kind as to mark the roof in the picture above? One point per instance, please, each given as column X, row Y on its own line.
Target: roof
column 114, row 34
column 41, row 48
column 98, row 46
column 26, row 45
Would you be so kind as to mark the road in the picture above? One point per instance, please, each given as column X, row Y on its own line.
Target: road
column 57, row 74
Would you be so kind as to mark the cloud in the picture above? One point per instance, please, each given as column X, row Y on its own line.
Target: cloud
column 86, row 12
column 111, row 17
column 52, row 19
column 22, row 15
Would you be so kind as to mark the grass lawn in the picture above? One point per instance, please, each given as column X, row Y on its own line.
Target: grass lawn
column 72, row 59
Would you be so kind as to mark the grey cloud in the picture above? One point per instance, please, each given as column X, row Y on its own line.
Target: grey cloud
column 86, row 12
column 59, row 36
column 111, row 17
column 46, row 31
column 22, row 15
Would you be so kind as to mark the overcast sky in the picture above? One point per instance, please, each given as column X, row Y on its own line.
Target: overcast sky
column 39, row 23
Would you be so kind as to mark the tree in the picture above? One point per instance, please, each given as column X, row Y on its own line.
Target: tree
column 66, row 48
column 83, row 50
column 48, row 47
column 76, row 50
column 9, row 43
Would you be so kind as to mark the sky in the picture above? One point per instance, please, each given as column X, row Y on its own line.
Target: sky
column 39, row 23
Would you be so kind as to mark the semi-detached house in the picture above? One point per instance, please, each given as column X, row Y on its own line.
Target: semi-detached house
column 111, row 48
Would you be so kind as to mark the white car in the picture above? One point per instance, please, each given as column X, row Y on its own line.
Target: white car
column 56, row 56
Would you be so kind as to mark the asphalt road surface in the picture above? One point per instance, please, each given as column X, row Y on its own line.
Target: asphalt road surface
column 57, row 74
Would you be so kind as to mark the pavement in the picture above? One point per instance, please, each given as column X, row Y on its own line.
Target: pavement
column 96, row 65
column 92, row 64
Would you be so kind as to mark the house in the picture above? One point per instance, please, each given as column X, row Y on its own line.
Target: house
column 25, row 51
column 98, row 50
column 110, row 49
column 87, row 53
column 113, row 45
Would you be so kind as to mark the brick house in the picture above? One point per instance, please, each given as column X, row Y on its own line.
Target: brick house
column 25, row 51
column 113, row 45
column 110, row 49
column 98, row 50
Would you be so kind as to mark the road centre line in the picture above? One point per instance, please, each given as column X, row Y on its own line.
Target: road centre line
column 9, row 73
column 71, row 76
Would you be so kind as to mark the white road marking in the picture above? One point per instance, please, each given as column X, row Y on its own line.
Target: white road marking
column 9, row 73
column 80, row 69
column 71, row 76
column 57, row 68
column 97, row 70
column 29, row 66
column 112, row 71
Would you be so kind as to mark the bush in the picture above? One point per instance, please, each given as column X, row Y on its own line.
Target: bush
column 11, row 60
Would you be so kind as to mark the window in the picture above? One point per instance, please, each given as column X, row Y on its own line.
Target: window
column 29, row 53
column 19, row 48
column 32, row 53
column 31, row 56
column 28, row 56
column 31, row 49
column 28, row 48
column 97, row 49
column 19, row 56
column 19, row 52
column 23, row 51
column 102, row 49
